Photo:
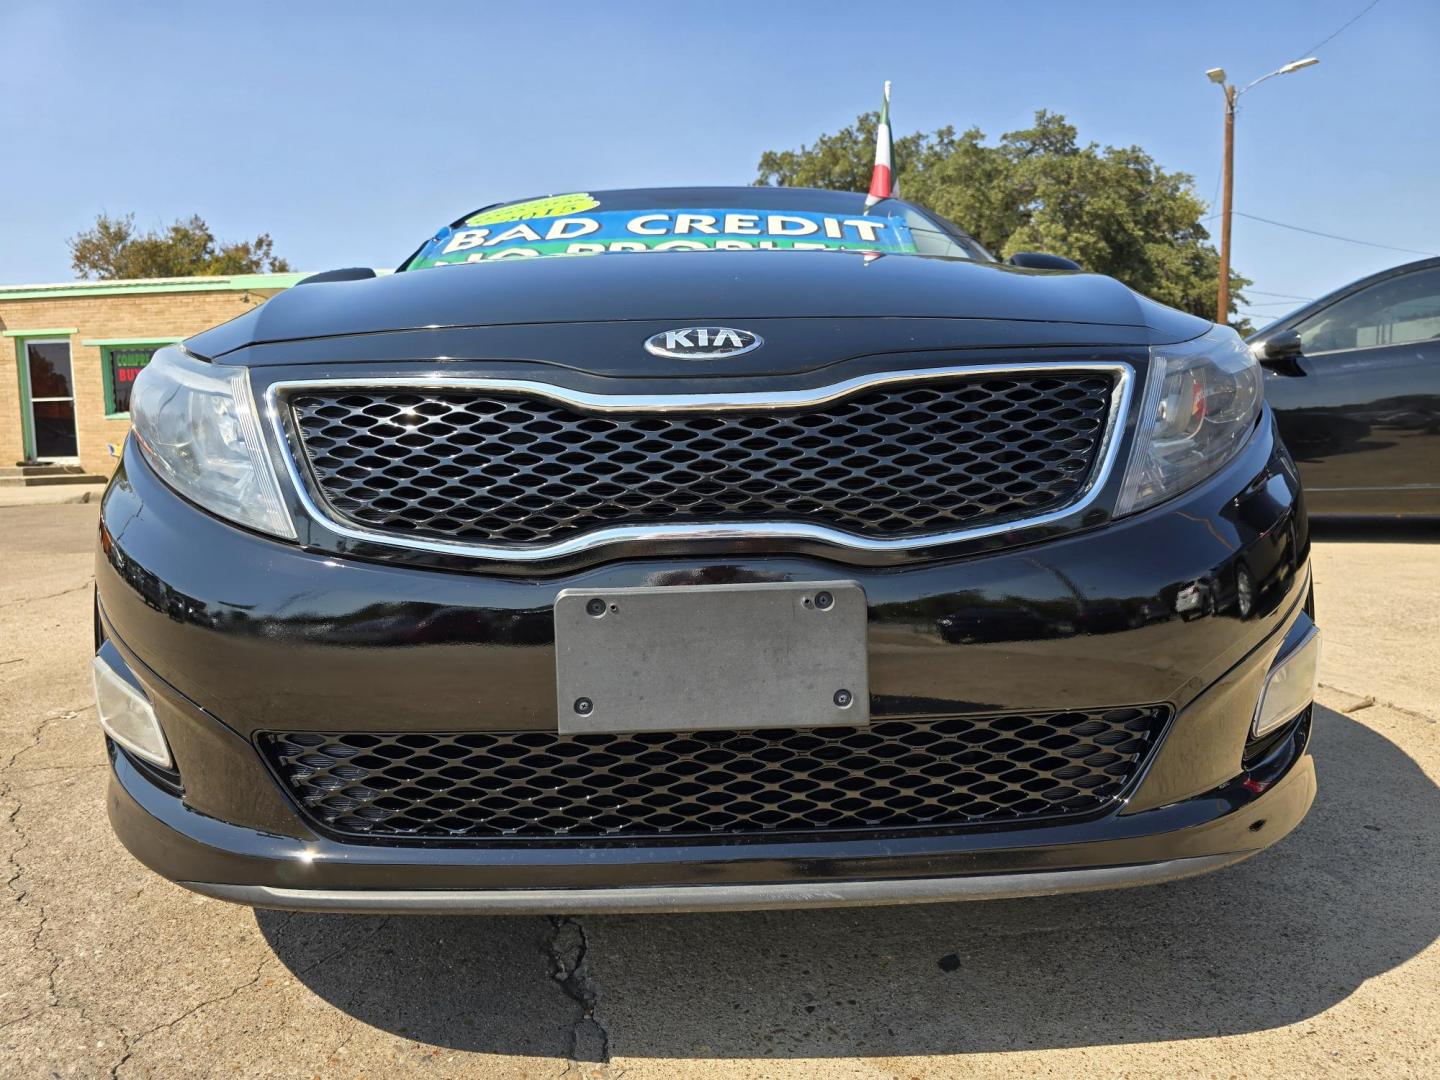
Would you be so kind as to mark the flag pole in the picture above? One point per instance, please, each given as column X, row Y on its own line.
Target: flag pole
column 882, row 177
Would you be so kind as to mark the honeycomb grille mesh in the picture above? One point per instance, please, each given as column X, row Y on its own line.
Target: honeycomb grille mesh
column 905, row 460
column 954, row 771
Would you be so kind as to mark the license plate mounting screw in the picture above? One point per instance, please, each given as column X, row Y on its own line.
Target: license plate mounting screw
column 844, row 699
column 584, row 706
column 823, row 600
column 595, row 607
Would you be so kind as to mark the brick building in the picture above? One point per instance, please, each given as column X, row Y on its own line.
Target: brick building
column 77, row 346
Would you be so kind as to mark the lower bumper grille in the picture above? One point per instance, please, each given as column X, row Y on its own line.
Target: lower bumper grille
column 895, row 774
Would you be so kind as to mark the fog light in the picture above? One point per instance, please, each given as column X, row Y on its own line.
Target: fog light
column 127, row 717
column 1290, row 686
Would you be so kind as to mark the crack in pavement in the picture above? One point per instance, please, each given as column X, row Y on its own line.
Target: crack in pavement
column 1365, row 701
column 55, row 1000
column 89, row 583
column 131, row 1043
column 60, row 769
column 568, row 949
column 12, row 856
column 22, row 893
column 38, row 735
column 272, row 955
column 335, row 1053
column 21, row 897
column 39, row 732
column 348, row 947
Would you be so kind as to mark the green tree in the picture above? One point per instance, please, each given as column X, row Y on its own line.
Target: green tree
column 1111, row 209
column 111, row 248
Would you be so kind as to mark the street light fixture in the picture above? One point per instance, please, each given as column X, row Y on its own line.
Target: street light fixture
column 1293, row 65
column 1217, row 76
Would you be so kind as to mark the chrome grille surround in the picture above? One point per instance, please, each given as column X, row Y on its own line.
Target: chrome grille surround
column 279, row 395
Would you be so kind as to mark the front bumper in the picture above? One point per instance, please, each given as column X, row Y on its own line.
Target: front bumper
column 245, row 865
column 232, row 635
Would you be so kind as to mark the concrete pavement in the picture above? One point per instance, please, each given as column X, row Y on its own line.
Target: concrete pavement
column 1381, row 614
column 1318, row 957
column 50, row 496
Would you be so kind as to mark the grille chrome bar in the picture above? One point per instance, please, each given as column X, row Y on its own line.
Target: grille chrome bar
column 1122, row 375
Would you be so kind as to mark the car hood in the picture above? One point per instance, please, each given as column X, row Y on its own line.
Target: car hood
column 702, row 287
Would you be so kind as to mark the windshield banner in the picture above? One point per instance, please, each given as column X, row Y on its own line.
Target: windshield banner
column 484, row 238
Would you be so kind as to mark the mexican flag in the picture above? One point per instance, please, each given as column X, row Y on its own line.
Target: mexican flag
column 882, row 179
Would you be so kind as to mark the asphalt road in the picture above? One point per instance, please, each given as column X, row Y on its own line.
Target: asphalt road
column 1316, row 957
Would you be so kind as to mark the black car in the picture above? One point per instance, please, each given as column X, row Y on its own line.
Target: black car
column 1354, row 379
column 770, row 549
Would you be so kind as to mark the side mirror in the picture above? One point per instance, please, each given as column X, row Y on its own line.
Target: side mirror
column 1280, row 353
column 1038, row 260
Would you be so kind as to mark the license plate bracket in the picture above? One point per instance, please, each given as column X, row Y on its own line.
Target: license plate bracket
column 702, row 657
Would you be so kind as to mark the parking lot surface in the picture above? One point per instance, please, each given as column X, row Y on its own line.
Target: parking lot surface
column 1317, row 957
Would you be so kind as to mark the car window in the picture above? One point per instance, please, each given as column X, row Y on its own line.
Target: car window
column 930, row 238
column 927, row 222
column 1395, row 312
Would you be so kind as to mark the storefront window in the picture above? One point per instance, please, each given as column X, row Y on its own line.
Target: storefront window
column 122, row 364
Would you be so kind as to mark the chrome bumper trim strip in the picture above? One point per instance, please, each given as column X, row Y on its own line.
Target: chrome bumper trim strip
column 678, row 898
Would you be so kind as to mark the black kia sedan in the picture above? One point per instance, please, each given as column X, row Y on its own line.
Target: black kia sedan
column 717, row 547
column 1354, row 379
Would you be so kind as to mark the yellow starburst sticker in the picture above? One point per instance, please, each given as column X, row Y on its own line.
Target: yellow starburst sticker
column 550, row 206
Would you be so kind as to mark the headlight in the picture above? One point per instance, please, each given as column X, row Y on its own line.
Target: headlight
column 1201, row 401
column 198, row 426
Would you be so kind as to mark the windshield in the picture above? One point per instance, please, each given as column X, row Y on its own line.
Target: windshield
column 692, row 219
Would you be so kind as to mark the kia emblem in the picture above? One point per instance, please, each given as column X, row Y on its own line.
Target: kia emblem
column 702, row 343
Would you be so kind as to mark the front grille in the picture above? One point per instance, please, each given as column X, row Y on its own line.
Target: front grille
column 498, row 468
column 895, row 774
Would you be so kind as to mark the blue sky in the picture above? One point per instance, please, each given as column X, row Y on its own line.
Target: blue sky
column 350, row 131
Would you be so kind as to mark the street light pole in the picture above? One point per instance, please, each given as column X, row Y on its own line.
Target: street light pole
column 1232, row 95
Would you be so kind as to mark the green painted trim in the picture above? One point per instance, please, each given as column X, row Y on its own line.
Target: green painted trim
column 100, row 343
column 117, row 416
column 64, row 331
column 108, row 380
column 22, row 374
column 267, row 281
column 146, row 286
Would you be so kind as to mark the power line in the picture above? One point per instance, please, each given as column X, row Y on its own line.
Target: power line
column 1282, row 295
column 1315, row 48
column 1332, row 236
column 1219, row 175
column 1316, row 232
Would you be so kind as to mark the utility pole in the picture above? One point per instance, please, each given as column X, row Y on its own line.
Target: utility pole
column 1232, row 95
column 1222, row 303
